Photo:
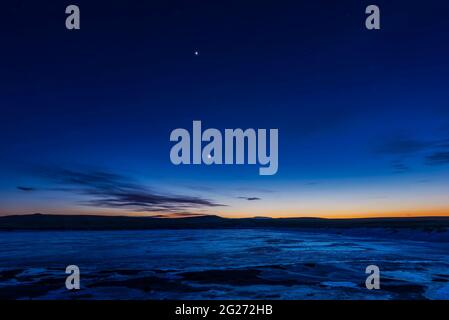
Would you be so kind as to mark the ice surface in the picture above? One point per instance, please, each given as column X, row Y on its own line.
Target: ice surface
column 220, row 264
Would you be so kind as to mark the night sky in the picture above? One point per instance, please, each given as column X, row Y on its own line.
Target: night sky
column 363, row 115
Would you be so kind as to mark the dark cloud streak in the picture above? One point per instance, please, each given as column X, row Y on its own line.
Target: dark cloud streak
column 403, row 147
column 26, row 189
column 111, row 190
column 250, row 198
column 437, row 158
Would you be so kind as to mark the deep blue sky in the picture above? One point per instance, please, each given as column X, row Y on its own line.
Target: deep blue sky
column 363, row 116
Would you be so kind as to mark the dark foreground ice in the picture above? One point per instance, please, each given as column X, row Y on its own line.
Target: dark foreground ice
column 219, row 264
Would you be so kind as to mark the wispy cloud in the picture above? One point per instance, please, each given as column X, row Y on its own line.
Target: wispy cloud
column 27, row 189
column 431, row 152
column 403, row 146
column 180, row 215
column 438, row 158
column 250, row 198
column 399, row 166
column 110, row 190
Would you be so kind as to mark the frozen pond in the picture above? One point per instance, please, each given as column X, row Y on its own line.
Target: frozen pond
column 219, row 264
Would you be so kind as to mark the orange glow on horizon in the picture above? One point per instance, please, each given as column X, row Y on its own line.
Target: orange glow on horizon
column 334, row 214
column 344, row 214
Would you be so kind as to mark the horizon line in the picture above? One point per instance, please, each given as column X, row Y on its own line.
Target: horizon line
column 223, row 217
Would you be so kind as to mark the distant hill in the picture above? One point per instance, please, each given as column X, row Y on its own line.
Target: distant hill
column 88, row 222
